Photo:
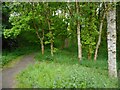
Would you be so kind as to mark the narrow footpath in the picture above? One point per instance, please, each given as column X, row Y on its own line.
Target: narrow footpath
column 9, row 74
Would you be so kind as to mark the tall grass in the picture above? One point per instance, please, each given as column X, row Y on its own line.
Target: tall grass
column 64, row 71
column 70, row 57
column 8, row 56
column 56, row 75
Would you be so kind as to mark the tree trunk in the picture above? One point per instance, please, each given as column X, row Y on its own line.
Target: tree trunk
column 66, row 43
column 99, row 38
column 40, row 39
column 89, row 55
column 79, row 42
column 78, row 34
column 51, row 47
column 111, row 40
column 42, row 45
column 51, row 40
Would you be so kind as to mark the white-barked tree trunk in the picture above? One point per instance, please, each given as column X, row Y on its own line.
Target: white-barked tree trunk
column 78, row 33
column 111, row 41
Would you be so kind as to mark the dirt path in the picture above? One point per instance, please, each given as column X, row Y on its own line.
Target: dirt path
column 8, row 74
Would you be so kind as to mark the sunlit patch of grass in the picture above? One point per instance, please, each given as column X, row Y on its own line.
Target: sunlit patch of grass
column 56, row 75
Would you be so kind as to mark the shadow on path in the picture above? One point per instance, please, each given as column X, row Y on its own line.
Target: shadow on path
column 9, row 74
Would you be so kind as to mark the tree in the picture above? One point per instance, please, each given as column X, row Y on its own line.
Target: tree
column 39, row 21
column 24, row 19
column 78, row 31
column 111, row 39
column 50, row 18
column 100, row 32
column 49, row 28
column 89, row 28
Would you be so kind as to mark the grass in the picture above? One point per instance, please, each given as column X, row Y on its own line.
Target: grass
column 70, row 57
column 51, row 75
column 64, row 71
column 12, row 62
column 11, row 56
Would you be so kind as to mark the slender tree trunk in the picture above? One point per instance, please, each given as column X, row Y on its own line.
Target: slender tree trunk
column 42, row 45
column 78, row 34
column 66, row 43
column 40, row 39
column 99, row 38
column 111, row 40
column 50, row 31
column 41, row 42
column 38, row 35
column 51, row 40
column 79, row 42
column 89, row 55
column 51, row 47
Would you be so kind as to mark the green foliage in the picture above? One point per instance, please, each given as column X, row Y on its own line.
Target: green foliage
column 62, row 70
column 8, row 56
column 89, row 31
column 35, row 16
column 29, row 40
column 11, row 32
column 5, row 16
column 54, row 75
column 69, row 56
column 20, row 19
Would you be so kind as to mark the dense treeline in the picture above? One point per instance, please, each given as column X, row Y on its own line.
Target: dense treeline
column 61, row 25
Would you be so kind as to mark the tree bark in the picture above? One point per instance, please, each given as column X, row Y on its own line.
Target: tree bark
column 78, row 34
column 40, row 39
column 50, row 31
column 89, row 55
column 51, row 40
column 42, row 44
column 66, row 43
column 99, row 38
column 42, row 47
column 51, row 47
column 38, row 35
column 111, row 40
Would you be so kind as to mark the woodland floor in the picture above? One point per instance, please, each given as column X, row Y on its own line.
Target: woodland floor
column 9, row 74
